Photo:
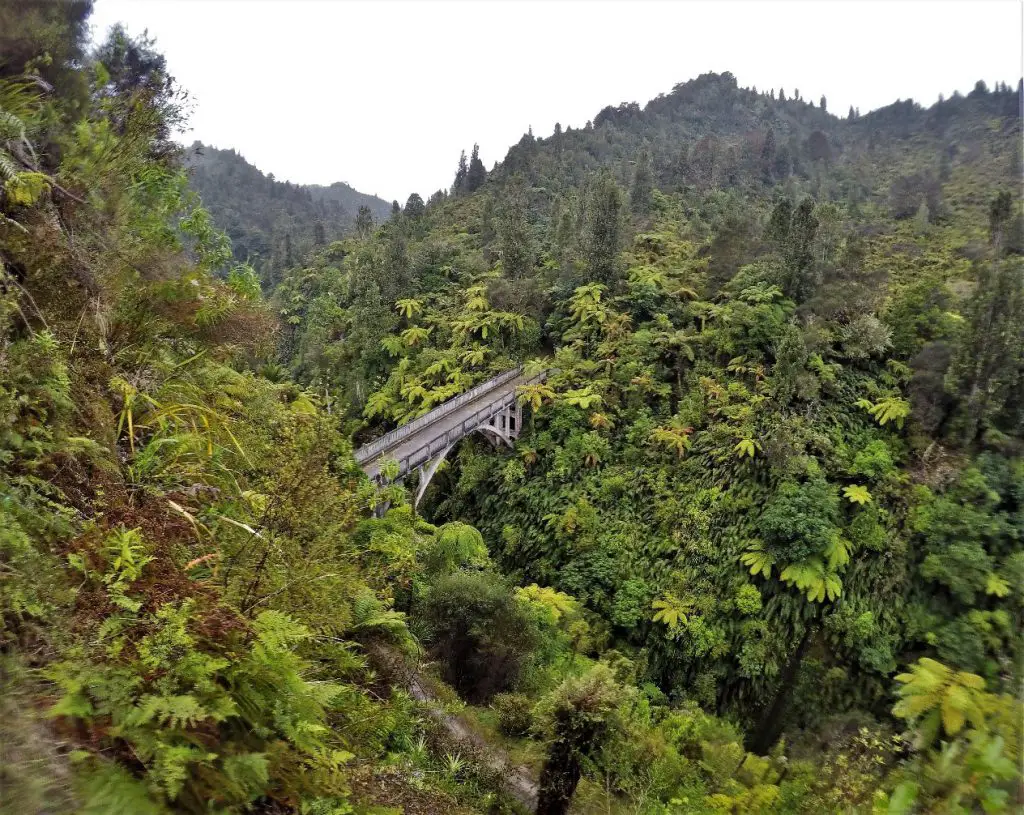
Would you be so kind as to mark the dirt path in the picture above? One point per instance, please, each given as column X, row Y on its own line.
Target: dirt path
column 518, row 782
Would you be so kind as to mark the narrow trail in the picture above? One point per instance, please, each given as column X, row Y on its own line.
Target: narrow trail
column 518, row 781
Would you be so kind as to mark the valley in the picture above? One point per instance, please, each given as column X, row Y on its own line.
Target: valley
column 738, row 528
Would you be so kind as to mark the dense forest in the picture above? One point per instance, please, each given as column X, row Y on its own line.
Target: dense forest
column 273, row 224
column 758, row 549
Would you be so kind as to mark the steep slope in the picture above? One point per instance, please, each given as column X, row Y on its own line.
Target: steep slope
column 188, row 604
column 780, row 458
column 350, row 199
column 272, row 224
column 761, row 540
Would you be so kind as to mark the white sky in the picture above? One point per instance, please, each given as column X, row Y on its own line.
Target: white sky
column 383, row 95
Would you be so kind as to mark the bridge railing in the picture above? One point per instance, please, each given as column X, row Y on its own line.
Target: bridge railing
column 388, row 440
column 452, row 435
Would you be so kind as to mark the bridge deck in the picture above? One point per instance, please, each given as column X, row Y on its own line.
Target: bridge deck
column 448, row 427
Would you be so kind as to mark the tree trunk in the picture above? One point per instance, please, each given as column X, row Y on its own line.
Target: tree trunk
column 770, row 726
column 558, row 779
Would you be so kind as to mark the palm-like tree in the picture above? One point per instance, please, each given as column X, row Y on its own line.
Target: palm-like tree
column 934, row 696
column 535, row 395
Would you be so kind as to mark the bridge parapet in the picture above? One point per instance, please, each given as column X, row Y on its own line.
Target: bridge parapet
column 490, row 408
column 392, row 438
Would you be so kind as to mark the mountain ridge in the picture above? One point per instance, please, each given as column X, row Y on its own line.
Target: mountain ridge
column 273, row 224
column 758, row 546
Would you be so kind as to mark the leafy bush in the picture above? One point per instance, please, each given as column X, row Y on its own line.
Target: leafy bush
column 799, row 520
column 155, row 685
column 482, row 635
column 515, row 713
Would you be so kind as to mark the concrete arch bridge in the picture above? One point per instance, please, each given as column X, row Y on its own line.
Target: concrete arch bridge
column 491, row 408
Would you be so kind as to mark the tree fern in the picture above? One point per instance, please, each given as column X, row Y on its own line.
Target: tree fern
column 934, row 696
column 857, row 494
column 758, row 559
column 409, row 307
column 890, row 409
column 811, row 576
column 371, row 619
column 672, row 611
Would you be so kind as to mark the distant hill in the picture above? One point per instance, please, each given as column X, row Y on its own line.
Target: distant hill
column 709, row 134
column 350, row 199
column 272, row 224
column 908, row 186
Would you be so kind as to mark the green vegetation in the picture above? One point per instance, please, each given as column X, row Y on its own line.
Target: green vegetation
column 758, row 549
column 274, row 224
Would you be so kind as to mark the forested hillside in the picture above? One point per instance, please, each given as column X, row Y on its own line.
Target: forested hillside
column 274, row 224
column 779, row 456
column 757, row 550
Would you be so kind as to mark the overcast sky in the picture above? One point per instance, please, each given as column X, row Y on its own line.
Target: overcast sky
column 384, row 94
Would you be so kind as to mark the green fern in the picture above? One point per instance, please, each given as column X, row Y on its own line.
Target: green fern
column 857, row 494
column 105, row 787
column 177, row 712
column 455, row 545
column 370, row 617
column 672, row 611
column 812, row 577
column 759, row 560
column 746, row 447
column 933, row 696
column 890, row 409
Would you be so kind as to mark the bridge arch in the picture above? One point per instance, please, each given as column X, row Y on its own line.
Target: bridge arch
column 429, row 468
column 491, row 408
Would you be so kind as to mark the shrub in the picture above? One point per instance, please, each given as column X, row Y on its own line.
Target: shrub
column 515, row 713
column 482, row 636
column 799, row 519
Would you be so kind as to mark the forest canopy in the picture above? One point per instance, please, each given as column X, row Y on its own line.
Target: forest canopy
column 756, row 549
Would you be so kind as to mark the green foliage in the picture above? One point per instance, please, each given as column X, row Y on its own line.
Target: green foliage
column 159, row 695
column 602, row 232
column 891, row 409
column 932, row 694
column 182, row 561
column 24, row 189
column 643, row 184
column 671, row 611
column 456, row 546
column 513, row 232
column 767, row 406
column 674, row 438
column 709, row 481
column 577, row 717
column 986, row 370
column 759, row 560
column 971, row 766
column 482, row 636
column 857, row 494
column 515, row 713
column 799, row 521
